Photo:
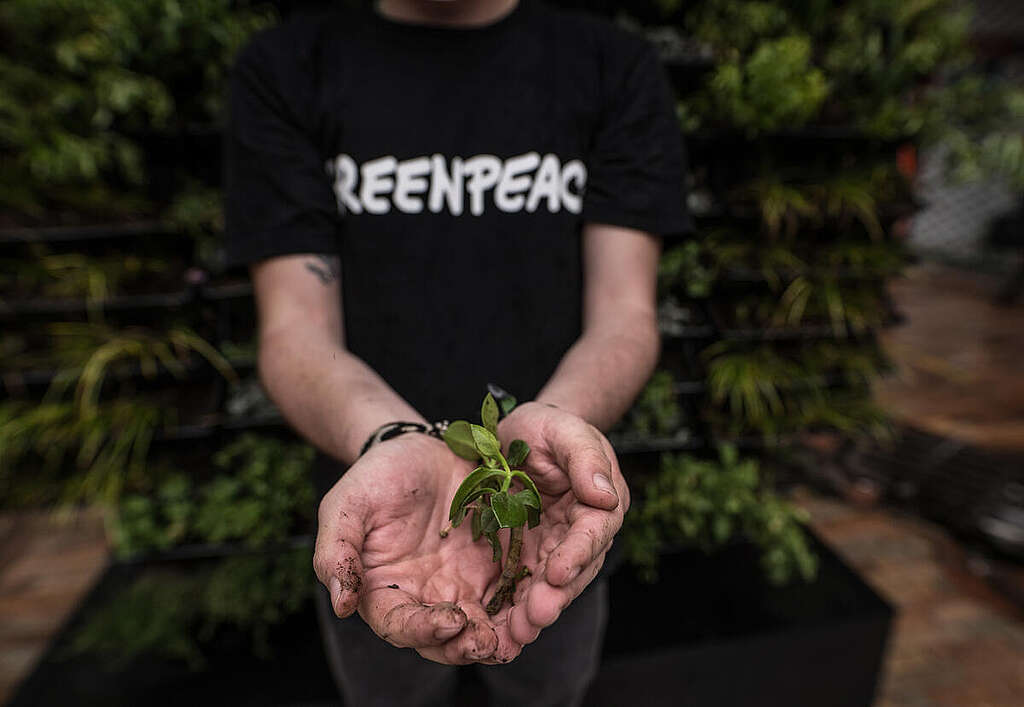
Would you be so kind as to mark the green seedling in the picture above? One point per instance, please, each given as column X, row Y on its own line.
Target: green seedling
column 486, row 494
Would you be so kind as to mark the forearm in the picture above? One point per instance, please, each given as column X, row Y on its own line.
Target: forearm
column 331, row 397
column 601, row 375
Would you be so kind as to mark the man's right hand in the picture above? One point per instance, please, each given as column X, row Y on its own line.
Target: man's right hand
column 379, row 550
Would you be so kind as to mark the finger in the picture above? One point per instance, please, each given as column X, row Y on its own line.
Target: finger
column 508, row 648
column 519, row 627
column 477, row 643
column 405, row 622
column 336, row 559
column 578, row 450
column 590, row 533
column 543, row 604
column 338, row 567
column 480, row 641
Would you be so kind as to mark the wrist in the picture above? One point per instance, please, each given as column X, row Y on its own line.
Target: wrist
column 393, row 430
column 407, row 446
column 362, row 415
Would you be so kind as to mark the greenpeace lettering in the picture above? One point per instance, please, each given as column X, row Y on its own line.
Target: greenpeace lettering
column 469, row 185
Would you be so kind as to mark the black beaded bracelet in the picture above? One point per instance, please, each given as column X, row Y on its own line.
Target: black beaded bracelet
column 434, row 429
column 395, row 429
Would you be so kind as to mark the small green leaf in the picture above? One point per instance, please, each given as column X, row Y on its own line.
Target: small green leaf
column 489, row 414
column 528, row 497
column 532, row 517
column 459, row 438
column 509, row 510
column 508, row 403
column 492, row 538
column 488, row 523
column 456, row 515
column 488, row 486
column 528, row 483
column 475, row 526
column 517, row 452
column 471, row 483
column 486, row 443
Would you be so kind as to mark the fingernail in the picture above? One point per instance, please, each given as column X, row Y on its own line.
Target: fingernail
column 603, row 483
column 443, row 633
column 573, row 573
column 334, row 586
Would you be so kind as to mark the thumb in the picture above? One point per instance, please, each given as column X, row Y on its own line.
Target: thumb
column 341, row 571
column 336, row 559
column 578, row 450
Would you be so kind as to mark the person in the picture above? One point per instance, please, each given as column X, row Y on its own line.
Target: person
column 433, row 196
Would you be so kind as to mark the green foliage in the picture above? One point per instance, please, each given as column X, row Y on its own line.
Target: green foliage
column 776, row 86
column 728, row 250
column 172, row 614
column 82, row 80
column 88, row 352
column 260, row 490
column 106, row 445
column 763, row 390
column 883, row 52
column 74, row 275
column 736, row 26
column 197, row 212
column 106, row 439
column 486, row 488
column 748, row 383
column 983, row 131
column 788, row 206
column 656, row 411
column 708, row 503
column 486, row 493
column 851, row 308
column 892, row 70
column 682, row 268
column 867, row 64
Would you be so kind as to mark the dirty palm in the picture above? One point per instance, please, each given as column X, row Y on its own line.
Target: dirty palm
column 487, row 496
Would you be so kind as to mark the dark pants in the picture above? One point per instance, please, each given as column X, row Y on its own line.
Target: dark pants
column 553, row 671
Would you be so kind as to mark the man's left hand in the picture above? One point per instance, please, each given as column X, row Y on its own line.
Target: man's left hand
column 585, row 498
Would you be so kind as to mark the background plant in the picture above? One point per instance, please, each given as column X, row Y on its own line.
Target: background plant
column 172, row 614
column 709, row 503
column 259, row 495
column 85, row 82
column 104, row 437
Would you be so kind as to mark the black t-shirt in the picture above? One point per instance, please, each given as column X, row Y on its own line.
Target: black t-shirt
column 451, row 169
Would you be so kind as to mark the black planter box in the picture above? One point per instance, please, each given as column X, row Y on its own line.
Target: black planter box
column 711, row 632
column 232, row 671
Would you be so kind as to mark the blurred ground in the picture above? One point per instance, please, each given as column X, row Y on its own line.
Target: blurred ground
column 46, row 565
column 956, row 641
column 959, row 358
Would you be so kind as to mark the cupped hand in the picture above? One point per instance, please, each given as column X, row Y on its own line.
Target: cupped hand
column 585, row 498
column 379, row 550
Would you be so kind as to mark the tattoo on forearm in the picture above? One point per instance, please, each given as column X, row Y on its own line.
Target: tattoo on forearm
column 325, row 267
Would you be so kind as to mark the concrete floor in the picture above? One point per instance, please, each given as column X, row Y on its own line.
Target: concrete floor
column 956, row 641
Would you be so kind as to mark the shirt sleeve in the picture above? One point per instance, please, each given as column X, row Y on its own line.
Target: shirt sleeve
column 637, row 164
column 278, row 195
